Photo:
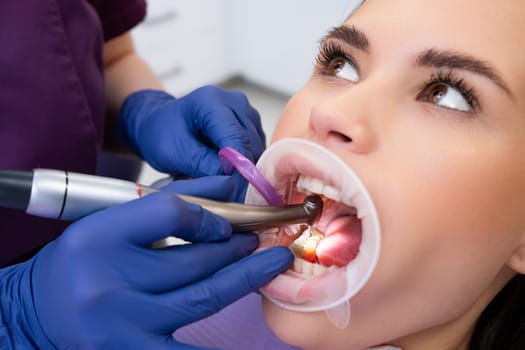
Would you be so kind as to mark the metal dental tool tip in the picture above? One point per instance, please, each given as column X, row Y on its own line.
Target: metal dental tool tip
column 314, row 205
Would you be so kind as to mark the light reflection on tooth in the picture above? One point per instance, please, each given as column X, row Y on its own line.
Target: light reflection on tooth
column 304, row 246
column 301, row 183
column 310, row 184
column 332, row 193
column 308, row 268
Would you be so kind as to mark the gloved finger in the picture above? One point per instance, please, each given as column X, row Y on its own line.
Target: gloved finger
column 241, row 186
column 207, row 297
column 205, row 160
column 155, row 217
column 177, row 266
column 255, row 121
column 134, row 107
column 233, row 108
column 212, row 187
column 222, row 126
column 245, row 113
column 192, row 156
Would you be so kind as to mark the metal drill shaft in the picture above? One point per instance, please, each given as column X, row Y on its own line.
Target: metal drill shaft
column 246, row 218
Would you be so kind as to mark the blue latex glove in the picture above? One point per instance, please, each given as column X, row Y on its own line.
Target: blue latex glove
column 100, row 286
column 183, row 136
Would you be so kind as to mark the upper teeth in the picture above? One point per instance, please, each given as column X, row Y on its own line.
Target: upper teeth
column 309, row 185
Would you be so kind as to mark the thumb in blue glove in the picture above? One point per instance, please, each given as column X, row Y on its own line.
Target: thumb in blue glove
column 182, row 136
column 100, row 285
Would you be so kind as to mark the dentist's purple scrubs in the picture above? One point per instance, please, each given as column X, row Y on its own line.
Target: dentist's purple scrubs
column 52, row 96
column 52, row 116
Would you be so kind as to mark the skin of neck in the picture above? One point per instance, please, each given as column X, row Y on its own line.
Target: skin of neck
column 456, row 334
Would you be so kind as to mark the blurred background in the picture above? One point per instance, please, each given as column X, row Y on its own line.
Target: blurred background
column 265, row 48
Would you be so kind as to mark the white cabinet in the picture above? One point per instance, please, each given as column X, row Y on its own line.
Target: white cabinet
column 183, row 41
column 190, row 43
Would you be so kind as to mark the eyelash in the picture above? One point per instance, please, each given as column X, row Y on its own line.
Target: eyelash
column 330, row 51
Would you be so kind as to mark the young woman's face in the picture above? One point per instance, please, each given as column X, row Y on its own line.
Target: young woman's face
column 425, row 101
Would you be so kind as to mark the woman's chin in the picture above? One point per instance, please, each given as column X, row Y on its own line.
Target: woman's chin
column 295, row 328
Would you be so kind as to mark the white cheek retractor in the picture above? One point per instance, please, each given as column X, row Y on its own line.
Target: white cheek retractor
column 332, row 290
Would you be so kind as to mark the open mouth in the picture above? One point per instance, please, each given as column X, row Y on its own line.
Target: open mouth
column 336, row 255
column 333, row 240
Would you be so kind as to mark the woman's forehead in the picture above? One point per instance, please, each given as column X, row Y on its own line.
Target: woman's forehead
column 484, row 15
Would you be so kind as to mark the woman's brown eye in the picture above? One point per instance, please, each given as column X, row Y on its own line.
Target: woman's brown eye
column 447, row 96
column 343, row 69
column 336, row 66
column 435, row 92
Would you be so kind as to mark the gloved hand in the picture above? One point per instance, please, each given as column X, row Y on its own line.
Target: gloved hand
column 183, row 136
column 100, row 286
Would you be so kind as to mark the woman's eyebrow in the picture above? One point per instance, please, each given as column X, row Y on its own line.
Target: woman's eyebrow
column 350, row 35
column 454, row 60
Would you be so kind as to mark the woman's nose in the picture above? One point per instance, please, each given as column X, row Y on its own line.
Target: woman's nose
column 344, row 121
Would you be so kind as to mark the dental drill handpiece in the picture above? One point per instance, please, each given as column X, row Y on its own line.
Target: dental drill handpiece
column 69, row 196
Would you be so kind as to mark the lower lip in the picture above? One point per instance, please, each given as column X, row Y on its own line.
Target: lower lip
column 297, row 289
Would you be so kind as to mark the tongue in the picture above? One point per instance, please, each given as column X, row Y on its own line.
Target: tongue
column 341, row 242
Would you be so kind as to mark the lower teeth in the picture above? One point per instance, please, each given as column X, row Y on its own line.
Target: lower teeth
column 305, row 245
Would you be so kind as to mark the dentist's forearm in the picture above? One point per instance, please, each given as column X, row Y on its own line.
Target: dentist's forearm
column 125, row 73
